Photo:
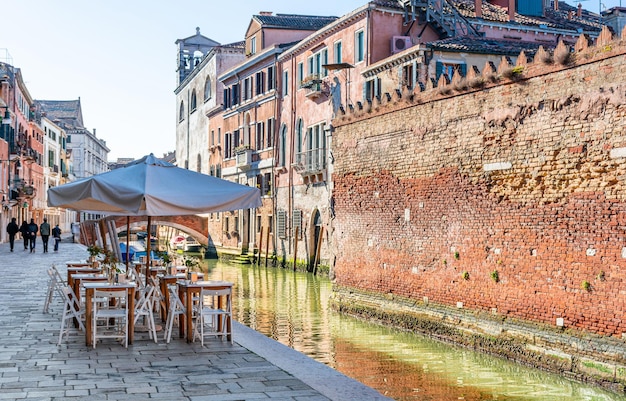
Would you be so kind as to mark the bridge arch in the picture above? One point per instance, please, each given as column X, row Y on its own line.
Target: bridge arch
column 196, row 226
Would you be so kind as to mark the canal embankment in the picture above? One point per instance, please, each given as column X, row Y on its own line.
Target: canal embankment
column 574, row 354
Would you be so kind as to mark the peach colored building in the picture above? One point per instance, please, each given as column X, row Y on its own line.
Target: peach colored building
column 22, row 170
column 251, row 105
column 324, row 76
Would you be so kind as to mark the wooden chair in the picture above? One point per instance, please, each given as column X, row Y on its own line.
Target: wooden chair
column 110, row 315
column 212, row 320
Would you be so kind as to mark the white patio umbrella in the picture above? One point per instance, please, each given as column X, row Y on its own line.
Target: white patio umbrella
column 152, row 187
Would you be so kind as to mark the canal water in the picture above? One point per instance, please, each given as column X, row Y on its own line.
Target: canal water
column 293, row 308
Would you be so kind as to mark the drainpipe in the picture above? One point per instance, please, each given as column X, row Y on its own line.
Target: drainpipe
column 292, row 135
column 188, row 129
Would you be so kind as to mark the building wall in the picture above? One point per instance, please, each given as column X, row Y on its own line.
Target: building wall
column 524, row 178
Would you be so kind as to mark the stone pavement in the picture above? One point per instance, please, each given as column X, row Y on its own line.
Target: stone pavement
column 33, row 367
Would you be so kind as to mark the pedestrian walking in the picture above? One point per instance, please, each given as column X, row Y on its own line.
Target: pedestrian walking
column 12, row 229
column 56, row 233
column 32, row 231
column 44, row 231
column 25, row 234
column 75, row 231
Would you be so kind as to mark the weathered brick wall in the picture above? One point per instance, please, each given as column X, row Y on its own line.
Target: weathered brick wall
column 526, row 178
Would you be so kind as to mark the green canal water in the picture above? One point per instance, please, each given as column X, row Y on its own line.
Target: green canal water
column 292, row 308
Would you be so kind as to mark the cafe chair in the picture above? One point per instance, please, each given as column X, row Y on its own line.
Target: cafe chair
column 143, row 307
column 71, row 312
column 175, row 309
column 55, row 282
column 157, row 297
column 213, row 320
column 110, row 315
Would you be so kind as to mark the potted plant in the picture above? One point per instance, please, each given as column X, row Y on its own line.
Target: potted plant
column 94, row 250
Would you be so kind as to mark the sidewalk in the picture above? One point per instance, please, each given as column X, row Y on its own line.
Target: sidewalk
column 33, row 367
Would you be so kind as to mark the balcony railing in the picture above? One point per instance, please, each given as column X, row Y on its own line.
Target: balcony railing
column 311, row 162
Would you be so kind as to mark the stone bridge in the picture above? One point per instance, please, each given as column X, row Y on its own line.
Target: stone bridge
column 195, row 226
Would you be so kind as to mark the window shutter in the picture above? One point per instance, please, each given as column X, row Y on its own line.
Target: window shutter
column 463, row 70
column 297, row 222
column 438, row 70
column 280, row 223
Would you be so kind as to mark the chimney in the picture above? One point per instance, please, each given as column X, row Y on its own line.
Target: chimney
column 478, row 8
column 511, row 10
column 266, row 13
column 556, row 5
column 579, row 12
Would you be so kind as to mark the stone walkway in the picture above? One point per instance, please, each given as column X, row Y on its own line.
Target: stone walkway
column 33, row 367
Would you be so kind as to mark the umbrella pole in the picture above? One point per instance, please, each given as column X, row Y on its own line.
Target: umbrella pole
column 127, row 242
column 148, row 249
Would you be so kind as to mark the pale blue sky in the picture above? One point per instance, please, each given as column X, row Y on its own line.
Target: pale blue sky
column 119, row 56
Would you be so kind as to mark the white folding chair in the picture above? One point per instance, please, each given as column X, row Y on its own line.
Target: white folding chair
column 157, row 296
column 70, row 312
column 110, row 315
column 175, row 309
column 143, row 307
column 212, row 320
column 52, row 289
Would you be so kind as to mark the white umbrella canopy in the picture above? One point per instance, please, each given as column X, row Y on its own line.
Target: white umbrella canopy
column 152, row 187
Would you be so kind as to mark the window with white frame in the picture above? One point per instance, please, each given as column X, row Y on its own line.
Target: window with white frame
column 315, row 63
column 259, row 84
column 271, row 78
column 359, row 46
column 253, row 45
column 207, row 89
column 338, row 56
column 285, row 83
column 260, row 135
column 300, row 72
column 269, row 129
column 315, row 153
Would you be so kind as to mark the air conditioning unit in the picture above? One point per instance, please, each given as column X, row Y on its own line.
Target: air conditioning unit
column 400, row 43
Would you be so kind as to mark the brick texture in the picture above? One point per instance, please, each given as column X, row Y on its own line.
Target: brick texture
column 525, row 177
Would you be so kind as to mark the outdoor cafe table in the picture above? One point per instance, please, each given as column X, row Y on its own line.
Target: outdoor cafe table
column 186, row 289
column 71, row 271
column 166, row 280
column 76, row 279
column 89, row 291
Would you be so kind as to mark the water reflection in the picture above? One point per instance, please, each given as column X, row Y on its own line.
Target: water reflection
column 292, row 308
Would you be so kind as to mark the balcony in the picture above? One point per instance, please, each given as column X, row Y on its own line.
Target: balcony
column 311, row 165
column 22, row 190
column 314, row 86
column 243, row 156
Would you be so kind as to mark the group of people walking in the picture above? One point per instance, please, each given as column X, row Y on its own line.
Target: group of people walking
column 29, row 234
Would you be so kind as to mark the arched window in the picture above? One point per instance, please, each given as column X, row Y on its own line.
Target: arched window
column 207, row 89
column 283, row 146
column 181, row 112
column 194, row 103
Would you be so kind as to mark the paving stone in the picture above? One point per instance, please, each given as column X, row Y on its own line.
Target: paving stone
column 33, row 367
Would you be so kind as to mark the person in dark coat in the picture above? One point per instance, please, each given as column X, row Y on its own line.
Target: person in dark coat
column 32, row 229
column 25, row 234
column 56, row 233
column 44, row 231
column 12, row 229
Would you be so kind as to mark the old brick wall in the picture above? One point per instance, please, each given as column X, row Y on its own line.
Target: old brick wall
column 524, row 177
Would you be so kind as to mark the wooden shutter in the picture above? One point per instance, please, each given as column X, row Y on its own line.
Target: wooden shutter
column 281, row 216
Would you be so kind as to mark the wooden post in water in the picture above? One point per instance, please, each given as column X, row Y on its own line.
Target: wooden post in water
column 318, row 250
column 295, row 249
column 267, row 245
column 258, row 260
